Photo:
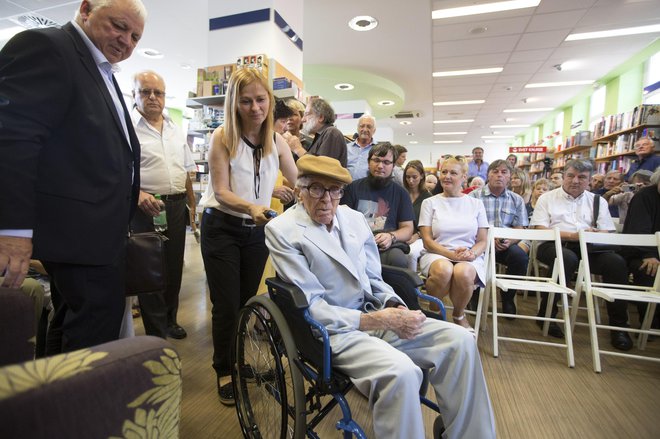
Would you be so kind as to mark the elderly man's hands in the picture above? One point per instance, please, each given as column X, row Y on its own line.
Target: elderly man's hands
column 403, row 322
column 15, row 255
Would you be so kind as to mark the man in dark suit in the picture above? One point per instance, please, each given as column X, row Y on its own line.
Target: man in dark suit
column 69, row 166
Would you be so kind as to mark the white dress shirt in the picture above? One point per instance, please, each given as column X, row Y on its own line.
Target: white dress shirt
column 165, row 157
column 559, row 209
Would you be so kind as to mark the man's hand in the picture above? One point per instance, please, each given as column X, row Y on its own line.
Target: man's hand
column 15, row 255
column 149, row 204
column 650, row 265
column 383, row 240
column 502, row 244
column 284, row 194
column 405, row 323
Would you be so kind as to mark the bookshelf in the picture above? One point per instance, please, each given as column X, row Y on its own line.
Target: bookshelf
column 616, row 150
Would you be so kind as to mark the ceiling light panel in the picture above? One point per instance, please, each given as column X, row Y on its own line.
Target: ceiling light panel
column 527, row 110
column 454, row 121
column 450, row 133
column 497, row 137
column 446, row 103
column 447, row 141
column 467, row 72
column 484, row 8
column 559, row 84
column 510, row 126
column 614, row 33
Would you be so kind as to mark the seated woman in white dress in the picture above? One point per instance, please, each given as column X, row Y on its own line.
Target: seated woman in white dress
column 454, row 229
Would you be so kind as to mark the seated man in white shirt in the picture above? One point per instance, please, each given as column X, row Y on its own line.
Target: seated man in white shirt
column 330, row 253
column 571, row 208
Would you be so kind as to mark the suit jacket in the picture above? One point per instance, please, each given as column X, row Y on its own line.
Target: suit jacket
column 340, row 281
column 67, row 170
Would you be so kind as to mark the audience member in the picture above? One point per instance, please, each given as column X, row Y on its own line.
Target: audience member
column 165, row 161
column 397, row 173
column 431, row 182
column 329, row 253
column 571, row 208
column 557, row 178
column 540, row 187
column 414, row 184
column 512, row 159
column 328, row 140
column 646, row 158
column 70, row 167
column 473, row 183
column 385, row 205
column 358, row 151
column 520, row 184
column 281, row 115
column 244, row 159
column 626, row 192
column 597, row 182
column 454, row 229
column 505, row 208
column 477, row 167
column 611, row 186
column 298, row 141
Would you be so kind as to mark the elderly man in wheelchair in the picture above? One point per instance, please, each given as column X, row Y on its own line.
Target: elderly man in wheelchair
column 329, row 252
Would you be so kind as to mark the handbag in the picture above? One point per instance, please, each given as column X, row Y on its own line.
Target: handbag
column 593, row 249
column 146, row 264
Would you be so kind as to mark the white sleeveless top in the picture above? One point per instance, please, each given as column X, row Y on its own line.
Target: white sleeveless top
column 243, row 182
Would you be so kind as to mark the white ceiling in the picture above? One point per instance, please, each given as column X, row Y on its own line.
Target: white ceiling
column 405, row 48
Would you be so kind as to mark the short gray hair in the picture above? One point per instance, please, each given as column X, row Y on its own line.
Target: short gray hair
column 580, row 165
column 499, row 162
column 136, row 6
column 321, row 107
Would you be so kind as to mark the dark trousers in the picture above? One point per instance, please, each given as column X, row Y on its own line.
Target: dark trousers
column 89, row 304
column 395, row 257
column 640, row 278
column 516, row 261
column 611, row 266
column 160, row 311
column 234, row 259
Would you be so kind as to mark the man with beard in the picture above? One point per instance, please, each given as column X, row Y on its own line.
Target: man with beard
column 385, row 205
column 328, row 140
column 358, row 151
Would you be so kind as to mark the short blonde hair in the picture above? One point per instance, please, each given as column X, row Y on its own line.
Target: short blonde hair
column 456, row 160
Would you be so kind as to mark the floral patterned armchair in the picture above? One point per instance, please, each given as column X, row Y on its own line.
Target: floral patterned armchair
column 129, row 388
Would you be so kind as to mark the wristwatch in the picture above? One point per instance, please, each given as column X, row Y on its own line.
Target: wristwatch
column 393, row 237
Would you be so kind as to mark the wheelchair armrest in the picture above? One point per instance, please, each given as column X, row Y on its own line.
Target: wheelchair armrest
column 391, row 272
column 294, row 294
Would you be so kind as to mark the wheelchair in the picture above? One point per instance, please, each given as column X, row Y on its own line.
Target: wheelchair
column 284, row 384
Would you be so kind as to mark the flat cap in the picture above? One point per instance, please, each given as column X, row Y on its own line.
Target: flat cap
column 323, row 166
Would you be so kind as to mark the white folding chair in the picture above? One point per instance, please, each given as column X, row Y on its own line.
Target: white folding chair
column 555, row 284
column 611, row 292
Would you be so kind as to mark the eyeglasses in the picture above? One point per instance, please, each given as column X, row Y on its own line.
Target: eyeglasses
column 317, row 190
column 378, row 161
column 146, row 92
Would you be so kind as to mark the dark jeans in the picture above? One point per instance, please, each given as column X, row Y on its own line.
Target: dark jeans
column 395, row 257
column 89, row 304
column 611, row 266
column 516, row 261
column 160, row 311
column 234, row 259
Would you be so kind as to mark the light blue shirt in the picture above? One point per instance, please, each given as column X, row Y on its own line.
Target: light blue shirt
column 478, row 170
column 357, row 161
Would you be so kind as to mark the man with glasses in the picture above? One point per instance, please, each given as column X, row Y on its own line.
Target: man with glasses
column 165, row 162
column 646, row 158
column 328, row 251
column 571, row 208
column 385, row 204
column 318, row 121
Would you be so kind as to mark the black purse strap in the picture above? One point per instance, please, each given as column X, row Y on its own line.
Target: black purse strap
column 594, row 222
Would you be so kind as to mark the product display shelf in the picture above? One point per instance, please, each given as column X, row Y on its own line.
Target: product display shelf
column 201, row 101
column 616, row 134
column 572, row 149
column 613, row 156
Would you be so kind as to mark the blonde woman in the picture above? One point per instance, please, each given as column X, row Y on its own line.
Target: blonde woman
column 244, row 160
column 540, row 187
column 454, row 229
column 520, row 184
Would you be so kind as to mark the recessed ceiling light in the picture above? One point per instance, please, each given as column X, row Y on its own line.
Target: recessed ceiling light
column 151, row 53
column 344, row 86
column 386, row 103
column 484, row 8
column 478, row 30
column 527, row 110
column 510, row 126
column 494, row 141
column 447, row 141
column 185, row 66
column 445, row 103
column 615, row 32
column 405, row 122
column 450, row 133
column 467, row 72
column 559, row 84
column 410, row 134
column 454, row 121
column 497, row 137
column 413, row 142
column 363, row 23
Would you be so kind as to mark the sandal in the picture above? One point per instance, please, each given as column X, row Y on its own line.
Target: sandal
column 459, row 319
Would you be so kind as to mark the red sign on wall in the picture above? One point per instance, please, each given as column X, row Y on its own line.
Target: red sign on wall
column 520, row 149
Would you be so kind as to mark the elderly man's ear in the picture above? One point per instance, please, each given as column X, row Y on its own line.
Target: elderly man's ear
column 297, row 193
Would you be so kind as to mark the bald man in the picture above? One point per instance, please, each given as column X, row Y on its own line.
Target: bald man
column 165, row 162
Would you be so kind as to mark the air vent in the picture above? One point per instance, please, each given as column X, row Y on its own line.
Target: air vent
column 407, row 114
column 33, row 21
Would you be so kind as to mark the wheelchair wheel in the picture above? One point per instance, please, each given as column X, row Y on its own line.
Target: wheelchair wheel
column 268, row 387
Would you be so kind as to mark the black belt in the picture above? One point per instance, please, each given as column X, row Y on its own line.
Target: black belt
column 230, row 219
column 173, row 197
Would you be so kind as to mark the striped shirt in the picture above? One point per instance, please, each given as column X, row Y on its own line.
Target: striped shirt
column 507, row 210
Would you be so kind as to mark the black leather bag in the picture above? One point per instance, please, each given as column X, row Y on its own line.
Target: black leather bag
column 594, row 249
column 146, row 264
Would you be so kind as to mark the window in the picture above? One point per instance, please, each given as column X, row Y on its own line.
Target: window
column 597, row 106
column 652, row 80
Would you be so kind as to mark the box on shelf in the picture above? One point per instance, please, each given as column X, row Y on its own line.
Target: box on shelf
column 212, row 80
